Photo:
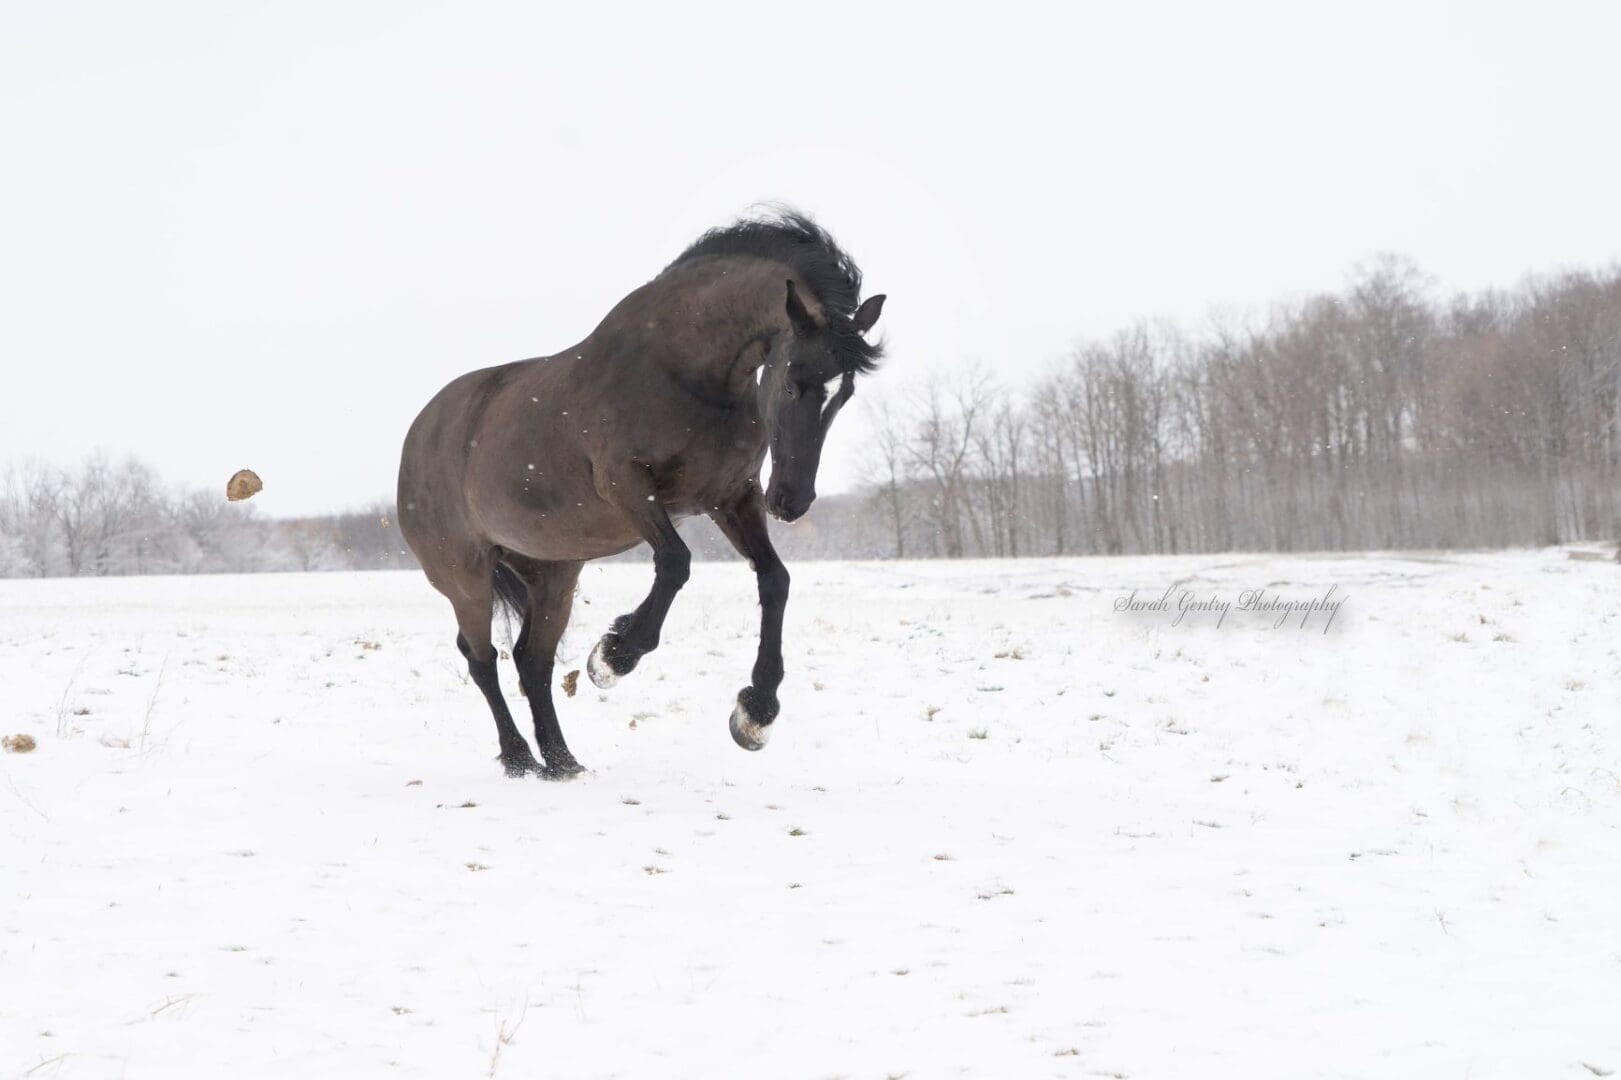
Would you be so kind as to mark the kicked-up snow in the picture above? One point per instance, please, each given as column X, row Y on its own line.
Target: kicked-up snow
column 1002, row 829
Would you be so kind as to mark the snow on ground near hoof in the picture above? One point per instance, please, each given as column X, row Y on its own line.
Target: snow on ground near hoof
column 1002, row 831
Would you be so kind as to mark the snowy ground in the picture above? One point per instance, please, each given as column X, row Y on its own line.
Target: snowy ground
column 1002, row 830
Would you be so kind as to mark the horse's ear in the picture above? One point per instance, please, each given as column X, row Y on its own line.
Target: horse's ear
column 867, row 314
column 803, row 324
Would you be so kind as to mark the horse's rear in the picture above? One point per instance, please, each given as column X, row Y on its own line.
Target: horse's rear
column 437, row 518
column 431, row 502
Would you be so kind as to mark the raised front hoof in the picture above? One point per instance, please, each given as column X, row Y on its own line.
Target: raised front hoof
column 609, row 661
column 751, row 720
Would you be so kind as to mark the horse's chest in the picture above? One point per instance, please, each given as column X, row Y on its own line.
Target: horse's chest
column 711, row 466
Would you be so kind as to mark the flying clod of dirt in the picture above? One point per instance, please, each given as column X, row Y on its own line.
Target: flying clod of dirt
column 571, row 682
column 18, row 744
column 244, row 485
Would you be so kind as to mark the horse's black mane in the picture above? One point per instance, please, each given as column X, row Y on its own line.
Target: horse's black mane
column 790, row 237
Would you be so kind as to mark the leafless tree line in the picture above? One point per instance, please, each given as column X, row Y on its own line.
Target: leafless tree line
column 1377, row 417
column 1372, row 418
column 110, row 517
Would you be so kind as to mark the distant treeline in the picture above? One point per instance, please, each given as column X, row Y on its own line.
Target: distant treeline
column 1377, row 417
column 111, row 517
column 1372, row 418
column 116, row 517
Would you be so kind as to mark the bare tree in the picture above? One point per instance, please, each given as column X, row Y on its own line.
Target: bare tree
column 946, row 418
column 889, row 481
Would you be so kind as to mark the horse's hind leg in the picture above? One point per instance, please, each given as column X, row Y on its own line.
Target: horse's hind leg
column 551, row 597
column 474, row 607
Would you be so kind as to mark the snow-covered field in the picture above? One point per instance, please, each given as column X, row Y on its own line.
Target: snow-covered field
column 1003, row 830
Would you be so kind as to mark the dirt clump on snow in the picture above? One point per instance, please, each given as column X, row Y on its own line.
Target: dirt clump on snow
column 571, row 682
column 243, row 484
column 18, row 744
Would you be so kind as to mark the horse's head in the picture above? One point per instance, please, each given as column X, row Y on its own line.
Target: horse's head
column 798, row 398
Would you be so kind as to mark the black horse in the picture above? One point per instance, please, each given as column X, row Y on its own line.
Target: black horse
column 514, row 476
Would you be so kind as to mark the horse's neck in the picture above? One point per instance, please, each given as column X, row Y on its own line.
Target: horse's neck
column 717, row 322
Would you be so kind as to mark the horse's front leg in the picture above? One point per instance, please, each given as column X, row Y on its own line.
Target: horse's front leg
column 744, row 524
column 635, row 635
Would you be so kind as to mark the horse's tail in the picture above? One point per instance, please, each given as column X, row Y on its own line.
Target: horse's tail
column 510, row 592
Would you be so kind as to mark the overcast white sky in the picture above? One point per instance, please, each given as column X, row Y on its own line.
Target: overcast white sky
column 263, row 234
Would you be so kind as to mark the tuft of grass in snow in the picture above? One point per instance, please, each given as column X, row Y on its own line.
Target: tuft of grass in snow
column 151, row 703
column 48, row 1061
column 67, row 691
column 979, row 733
column 505, row 1032
column 171, row 1003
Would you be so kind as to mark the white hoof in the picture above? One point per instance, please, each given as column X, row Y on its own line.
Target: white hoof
column 597, row 667
column 745, row 732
